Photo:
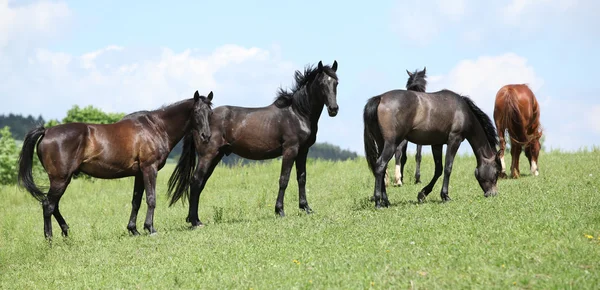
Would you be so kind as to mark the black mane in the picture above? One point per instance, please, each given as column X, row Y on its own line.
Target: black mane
column 485, row 121
column 417, row 81
column 297, row 95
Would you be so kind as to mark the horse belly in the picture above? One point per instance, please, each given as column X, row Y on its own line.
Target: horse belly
column 108, row 169
column 427, row 137
column 256, row 149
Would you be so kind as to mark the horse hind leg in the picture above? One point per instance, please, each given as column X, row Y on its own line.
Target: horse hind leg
column 437, row 158
column 515, row 152
column 400, row 163
column 138, row 192
column 50, row 207
column 380, row 194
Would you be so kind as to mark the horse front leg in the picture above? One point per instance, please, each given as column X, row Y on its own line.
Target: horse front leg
column 437, row 158
column 451, row 150
column 289, row 155
column 206, row 166
column 149, row 173
column 136, row 201
column 301, row 176
column 418, row 158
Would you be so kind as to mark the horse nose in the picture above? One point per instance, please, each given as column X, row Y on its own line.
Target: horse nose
column 333, row 110
column 205, row 137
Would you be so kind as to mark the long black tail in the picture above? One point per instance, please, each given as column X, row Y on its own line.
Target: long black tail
column 25, row 178
column 180, row 180
column 372, row 136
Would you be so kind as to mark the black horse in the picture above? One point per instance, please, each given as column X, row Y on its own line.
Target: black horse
column 434, row 119
column 416, row 82
column 138, row 145
column 286, row 128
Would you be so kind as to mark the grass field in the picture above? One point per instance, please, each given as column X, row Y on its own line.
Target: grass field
column 538, row 233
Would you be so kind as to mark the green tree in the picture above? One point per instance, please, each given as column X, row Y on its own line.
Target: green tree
column 9, row 156
column 90, row 114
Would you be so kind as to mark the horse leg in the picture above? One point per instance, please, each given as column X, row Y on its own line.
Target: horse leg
column 400, row 162
column 289, row 155
column 206, row 166
column 50, row 206
column 532, row 157
column 418, row 158
column 437, row 158
column 380, row 195
column 136, row 201
column 301, row 176
column 149, row 174
column 451, row 150
column 502, row 140
column 515, row 152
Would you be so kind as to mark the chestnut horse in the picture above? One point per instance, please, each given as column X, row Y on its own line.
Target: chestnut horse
column 517, row 111
column 434, row 119
column 286, row 128
column 138, row 145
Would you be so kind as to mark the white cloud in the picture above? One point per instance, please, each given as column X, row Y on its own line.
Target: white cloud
column 117, row 79
column 483, row 77
column 593, row 118
column 522, row 11
column 25, row 24
column 452, row 8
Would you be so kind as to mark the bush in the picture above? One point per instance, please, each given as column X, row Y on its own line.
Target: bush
column 9, row 156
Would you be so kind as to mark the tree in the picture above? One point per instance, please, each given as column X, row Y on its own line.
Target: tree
column 9, row 156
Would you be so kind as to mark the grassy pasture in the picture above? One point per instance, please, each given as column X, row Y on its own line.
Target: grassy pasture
column 539, row 233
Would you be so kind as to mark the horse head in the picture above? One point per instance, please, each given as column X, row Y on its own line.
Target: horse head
column 325, row 86
column 201, row 115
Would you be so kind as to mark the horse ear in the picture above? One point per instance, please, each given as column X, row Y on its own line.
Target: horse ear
column 424, row 69
column 334, row 66
column 210, row 96
column 409, row 73
column 196, row 96
column 320, row 65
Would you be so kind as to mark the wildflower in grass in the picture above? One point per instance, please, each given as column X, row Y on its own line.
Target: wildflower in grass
column 372, row 283
column 503, row 266
column 589, row 236
column 296, row 262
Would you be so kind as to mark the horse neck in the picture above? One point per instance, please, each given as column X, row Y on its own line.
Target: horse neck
column 176, row 120
column 479, row 142
column 314, row 109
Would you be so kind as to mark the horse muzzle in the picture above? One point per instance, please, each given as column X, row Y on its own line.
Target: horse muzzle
column 332, row 110
column 205, row 137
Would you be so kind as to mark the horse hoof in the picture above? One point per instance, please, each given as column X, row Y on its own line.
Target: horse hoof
column 503, row 175
column 134, row 232
column 446, row 199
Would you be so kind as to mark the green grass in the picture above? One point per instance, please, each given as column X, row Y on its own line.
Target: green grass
column 533, row 235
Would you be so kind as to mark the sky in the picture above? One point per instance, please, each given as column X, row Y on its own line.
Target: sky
column 126, row 56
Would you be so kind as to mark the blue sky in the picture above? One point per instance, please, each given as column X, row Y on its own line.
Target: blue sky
column 124, row 56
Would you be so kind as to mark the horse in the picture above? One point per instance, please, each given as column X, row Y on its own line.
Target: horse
column 286, row 128
column 416, row 82
column 517, row 111
column 137, row 145
column 435, row 119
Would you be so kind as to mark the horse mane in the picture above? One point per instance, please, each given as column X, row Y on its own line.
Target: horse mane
column 485, row 121
column 297, row 95
column 417, row 81
column 161, row 108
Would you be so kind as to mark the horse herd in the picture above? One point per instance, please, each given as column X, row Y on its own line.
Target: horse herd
column 139, row 144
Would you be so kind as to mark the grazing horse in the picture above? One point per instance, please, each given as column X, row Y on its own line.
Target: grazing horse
column 517, row 111
column 138, row 145
column 286, row 128
column 416, row 82
column 434, row 119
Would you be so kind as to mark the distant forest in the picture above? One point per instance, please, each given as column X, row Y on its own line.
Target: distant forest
column 19, row 126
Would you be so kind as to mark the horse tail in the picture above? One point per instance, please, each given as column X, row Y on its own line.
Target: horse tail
column 25, row 177
column 372, row 134
column 180, row 180
column 511, row 117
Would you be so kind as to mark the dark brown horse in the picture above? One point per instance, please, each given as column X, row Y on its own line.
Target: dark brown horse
column 138, row 145
column 517, row 111
column 434, row 119
column 286, row 128
column 416, row 82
